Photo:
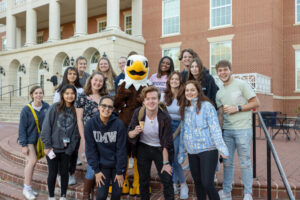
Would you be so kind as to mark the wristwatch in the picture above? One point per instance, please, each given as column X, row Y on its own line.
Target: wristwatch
column 240, row 108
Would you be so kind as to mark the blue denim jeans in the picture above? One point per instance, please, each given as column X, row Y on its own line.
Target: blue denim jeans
column 178, row 175
column 241, row 141
column 90, row 175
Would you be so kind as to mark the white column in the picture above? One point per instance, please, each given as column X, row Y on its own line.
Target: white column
column 137, row 20
column 11, row 25
column 113, row 14
column 31, row 25
column 18, row 38
column 81, row 17
column 54, row 20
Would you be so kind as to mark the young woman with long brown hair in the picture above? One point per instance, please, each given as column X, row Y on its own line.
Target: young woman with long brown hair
column 105, row 67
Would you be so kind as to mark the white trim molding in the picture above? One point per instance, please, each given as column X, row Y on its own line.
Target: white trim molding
column 220, row 38
column 170, row 45
column 286, row 97
column 296, row 46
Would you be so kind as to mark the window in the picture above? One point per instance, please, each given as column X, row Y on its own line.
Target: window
column 101, row 25
column 3, row 43
column 66, row 64
column 128, row 24
column 39, row 38
column 219, row 51
column 174, row 54
column 94, row 62
column 220, row 13
column 297, row 11
column 170, row 17
column 297, row 70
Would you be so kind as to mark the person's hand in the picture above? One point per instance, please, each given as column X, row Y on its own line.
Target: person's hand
column 230, row 109
column 46, row 151
column 120, row 180
column 25, row 150
column 99, row 179
column 137, row 130
column 223, row 156
column 167, row 168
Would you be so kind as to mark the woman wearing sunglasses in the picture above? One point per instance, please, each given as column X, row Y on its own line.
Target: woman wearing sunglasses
column 105, row 137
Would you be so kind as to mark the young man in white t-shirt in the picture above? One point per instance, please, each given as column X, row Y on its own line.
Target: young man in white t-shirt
column 235, row 102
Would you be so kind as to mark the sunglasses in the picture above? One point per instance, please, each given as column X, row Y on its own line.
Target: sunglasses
column 107, row 106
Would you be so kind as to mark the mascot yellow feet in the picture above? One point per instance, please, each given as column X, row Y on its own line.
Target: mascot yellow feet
column 134, row 190
column 125, row 189
column 110, row 189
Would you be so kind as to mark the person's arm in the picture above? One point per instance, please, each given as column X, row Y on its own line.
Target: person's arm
column 221, row 116
column 47, row 128
column 23, row 128
column 91, row 149
column 215, row 129
column 79, row 114
column 134, row 128
column 252, row 103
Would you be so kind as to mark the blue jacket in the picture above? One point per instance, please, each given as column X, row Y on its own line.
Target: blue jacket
column 105, row 144
column 27, row 127
column 117, row 80
column 200, row 131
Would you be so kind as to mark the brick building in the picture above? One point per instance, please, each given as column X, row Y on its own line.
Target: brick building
column 261, row 38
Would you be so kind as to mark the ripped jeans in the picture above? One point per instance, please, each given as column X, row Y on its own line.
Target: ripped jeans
column 241, row 141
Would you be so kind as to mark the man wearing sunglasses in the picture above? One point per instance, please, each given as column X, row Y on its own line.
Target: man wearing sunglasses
column 105, row 137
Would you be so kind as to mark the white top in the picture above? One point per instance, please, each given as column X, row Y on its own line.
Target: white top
column 36, row 108
column 150, row 133
column 57, row 94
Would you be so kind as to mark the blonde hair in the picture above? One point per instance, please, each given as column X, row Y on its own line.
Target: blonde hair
column 111, row 75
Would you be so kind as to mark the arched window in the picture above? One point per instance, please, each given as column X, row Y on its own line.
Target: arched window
column 94, row 61
column 19, row 80
column 41, row 77
column 66, row 64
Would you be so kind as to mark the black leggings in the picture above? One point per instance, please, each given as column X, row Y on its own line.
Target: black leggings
column 61, row 162
column 203, row 166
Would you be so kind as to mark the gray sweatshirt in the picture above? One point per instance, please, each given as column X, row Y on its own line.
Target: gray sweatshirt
column 58, row 126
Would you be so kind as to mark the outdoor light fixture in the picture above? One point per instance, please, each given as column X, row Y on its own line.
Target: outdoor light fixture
column 2, row 71
column 104, row 55
column 22, row 68
column 72, row 61
column 45, row 65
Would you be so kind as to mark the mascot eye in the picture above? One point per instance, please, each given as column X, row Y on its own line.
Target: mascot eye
column 146, row 64
column 129, row 63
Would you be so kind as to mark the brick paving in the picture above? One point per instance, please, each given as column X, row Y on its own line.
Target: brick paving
column 288, row 152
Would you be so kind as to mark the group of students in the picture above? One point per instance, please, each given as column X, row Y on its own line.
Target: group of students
column 189, row 125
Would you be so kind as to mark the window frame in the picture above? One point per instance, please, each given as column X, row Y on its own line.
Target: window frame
column 296, row 12
column 3, row 39
column 162, row 19
column 125, row 27
column 176, row 67
column 101, row 20
column 210, row 17
column 210, row 54
column 297, row 87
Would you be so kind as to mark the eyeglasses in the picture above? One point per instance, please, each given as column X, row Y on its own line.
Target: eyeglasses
column 107, row 106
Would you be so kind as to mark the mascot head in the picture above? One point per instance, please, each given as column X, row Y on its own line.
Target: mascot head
column 136, row 72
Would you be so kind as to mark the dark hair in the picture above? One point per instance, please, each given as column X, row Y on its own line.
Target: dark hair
column 62, row 104
column 66, row 81
column 106, row 97
column 168, row 98
column 223, row 63
column 171, row 69
column 184, row 102
column 88, row 85
column 190, row 51
column 147, row 90
column 80, row 58
column 201, row 70
column 33, row 89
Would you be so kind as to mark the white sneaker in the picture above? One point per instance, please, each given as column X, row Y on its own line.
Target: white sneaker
column 28, row 194
column 62, row 198
column 247, row 197
column 224, row 196
column 51, row 198
column 184, row 191
column 58, row 180
column 78, row 162
column 176, row 190
column 72, row 180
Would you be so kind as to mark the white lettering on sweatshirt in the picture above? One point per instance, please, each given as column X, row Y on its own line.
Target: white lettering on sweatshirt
column 105, row 137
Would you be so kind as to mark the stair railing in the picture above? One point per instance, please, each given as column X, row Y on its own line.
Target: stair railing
column 6, row 86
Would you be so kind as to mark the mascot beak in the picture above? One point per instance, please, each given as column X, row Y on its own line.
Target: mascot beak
column 138, row 70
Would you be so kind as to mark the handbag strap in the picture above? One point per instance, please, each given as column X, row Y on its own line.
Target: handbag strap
column 35, row 117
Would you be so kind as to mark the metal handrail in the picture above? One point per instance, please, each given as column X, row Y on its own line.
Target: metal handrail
column 271, row 149
column 12, row 91
column 5, row 87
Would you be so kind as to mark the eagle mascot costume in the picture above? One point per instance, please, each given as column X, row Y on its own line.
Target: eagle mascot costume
column 127, row 100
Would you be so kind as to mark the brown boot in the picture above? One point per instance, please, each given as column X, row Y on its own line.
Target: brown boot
column 87, row 189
